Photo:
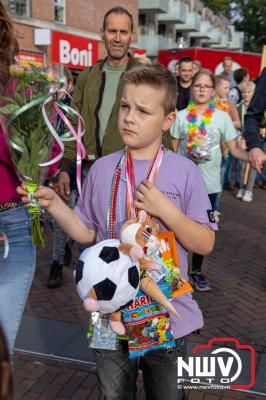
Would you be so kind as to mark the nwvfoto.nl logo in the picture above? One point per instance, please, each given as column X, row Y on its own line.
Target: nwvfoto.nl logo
column 222, row 361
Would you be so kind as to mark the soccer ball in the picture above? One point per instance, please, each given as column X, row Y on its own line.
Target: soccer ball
column 112, row 274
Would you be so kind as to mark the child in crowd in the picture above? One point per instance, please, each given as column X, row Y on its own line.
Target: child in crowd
column 241, row 76
column 245, row 192
column 202, row 118
column 61, row 254
column 222, row 88
column 178, row 201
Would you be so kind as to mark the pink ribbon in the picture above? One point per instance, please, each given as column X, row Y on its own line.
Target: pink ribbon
column 77, row 135
column 130, row 177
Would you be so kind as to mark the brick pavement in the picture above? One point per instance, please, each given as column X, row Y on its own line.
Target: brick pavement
column 235, row 306
column 48, row 380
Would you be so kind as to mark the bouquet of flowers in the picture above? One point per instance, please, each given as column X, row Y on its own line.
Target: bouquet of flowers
column 28, row 116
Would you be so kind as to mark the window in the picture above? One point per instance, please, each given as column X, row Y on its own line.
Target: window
column 59, row 11
column 19, row 7
column 162, row 29
column 142, row 24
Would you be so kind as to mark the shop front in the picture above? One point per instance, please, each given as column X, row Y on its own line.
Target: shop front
column 29, row 57
column 73, row 52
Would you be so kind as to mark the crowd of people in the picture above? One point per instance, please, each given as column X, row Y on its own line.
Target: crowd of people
column 216, row 105
column 212, row 122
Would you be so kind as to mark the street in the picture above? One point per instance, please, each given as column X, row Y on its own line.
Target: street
column 52, row 360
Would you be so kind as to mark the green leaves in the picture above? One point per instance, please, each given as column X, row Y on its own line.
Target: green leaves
column 220, row 7
column 249, row 16
column 30, row 140
column 8, row 109
column 7, row 99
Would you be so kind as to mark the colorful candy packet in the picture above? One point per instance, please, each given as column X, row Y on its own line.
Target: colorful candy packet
column 147, row 324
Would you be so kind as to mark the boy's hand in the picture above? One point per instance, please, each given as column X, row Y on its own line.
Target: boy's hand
column 43, row 194
column 150, row 199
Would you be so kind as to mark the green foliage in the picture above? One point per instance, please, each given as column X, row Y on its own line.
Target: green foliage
column 9, row 109
column 29, row 138
column 247, row 16
column 220, row 7
column 250, row 17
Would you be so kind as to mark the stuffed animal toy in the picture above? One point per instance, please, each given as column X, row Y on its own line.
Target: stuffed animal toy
column 108, row 273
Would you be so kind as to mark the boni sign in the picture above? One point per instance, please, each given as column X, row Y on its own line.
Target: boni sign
column 74, row 51
column 232, row 367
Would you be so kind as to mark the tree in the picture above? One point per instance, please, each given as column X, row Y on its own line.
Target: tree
column 219, row 7
column 249, row 16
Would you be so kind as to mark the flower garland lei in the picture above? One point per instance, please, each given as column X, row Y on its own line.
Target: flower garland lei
column 195, row 131
column 222, row 104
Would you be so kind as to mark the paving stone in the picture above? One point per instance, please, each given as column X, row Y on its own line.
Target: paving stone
column 235, row 307
column 30, row 396
column 72, row 385
column 90, row 382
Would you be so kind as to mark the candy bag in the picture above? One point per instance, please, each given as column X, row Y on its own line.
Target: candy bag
column 147, row 324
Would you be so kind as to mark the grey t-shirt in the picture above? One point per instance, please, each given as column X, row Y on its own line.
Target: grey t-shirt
column 220, row 128
column 112, row 77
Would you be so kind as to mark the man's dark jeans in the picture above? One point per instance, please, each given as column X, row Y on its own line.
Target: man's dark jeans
column 117, row 374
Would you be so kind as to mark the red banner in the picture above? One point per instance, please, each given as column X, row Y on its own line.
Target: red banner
column 27, row 57
column 74, row 51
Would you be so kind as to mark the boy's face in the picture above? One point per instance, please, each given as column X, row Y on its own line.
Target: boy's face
column 142, row 118
column 247, row 95
column 223, row 89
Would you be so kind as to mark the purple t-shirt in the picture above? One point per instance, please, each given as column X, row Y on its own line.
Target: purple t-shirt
column 180, row 180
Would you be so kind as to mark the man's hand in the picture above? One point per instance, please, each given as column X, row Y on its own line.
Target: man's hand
column 150, row 199
column 43, row 194
column 64, row 185
column 257, row 158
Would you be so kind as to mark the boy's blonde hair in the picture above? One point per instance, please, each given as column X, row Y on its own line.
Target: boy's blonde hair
column 221, row 78
column 155, row 76
column 249, row 85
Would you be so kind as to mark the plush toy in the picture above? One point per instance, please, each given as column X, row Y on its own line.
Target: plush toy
column 108, row 273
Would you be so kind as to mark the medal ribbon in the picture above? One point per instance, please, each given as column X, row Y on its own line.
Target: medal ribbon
column 131, row 188
column 131, row 181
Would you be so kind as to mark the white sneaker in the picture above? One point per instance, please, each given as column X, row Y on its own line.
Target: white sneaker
column 240, row 193
column 248, row 196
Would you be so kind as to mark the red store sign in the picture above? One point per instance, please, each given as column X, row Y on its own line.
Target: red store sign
column 26, row 57
column 74, row 51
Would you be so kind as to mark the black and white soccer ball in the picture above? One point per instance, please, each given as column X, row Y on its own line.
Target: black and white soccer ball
column 112, row 274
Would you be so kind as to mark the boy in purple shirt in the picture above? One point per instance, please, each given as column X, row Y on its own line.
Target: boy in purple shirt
column 177, row 200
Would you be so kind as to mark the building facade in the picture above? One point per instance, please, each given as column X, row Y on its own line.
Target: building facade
column 68, row 31
column 62, row 31
column 168, row 24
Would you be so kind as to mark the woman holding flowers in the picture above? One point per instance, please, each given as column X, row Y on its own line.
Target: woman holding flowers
column 197, row 134
column 17, row 254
